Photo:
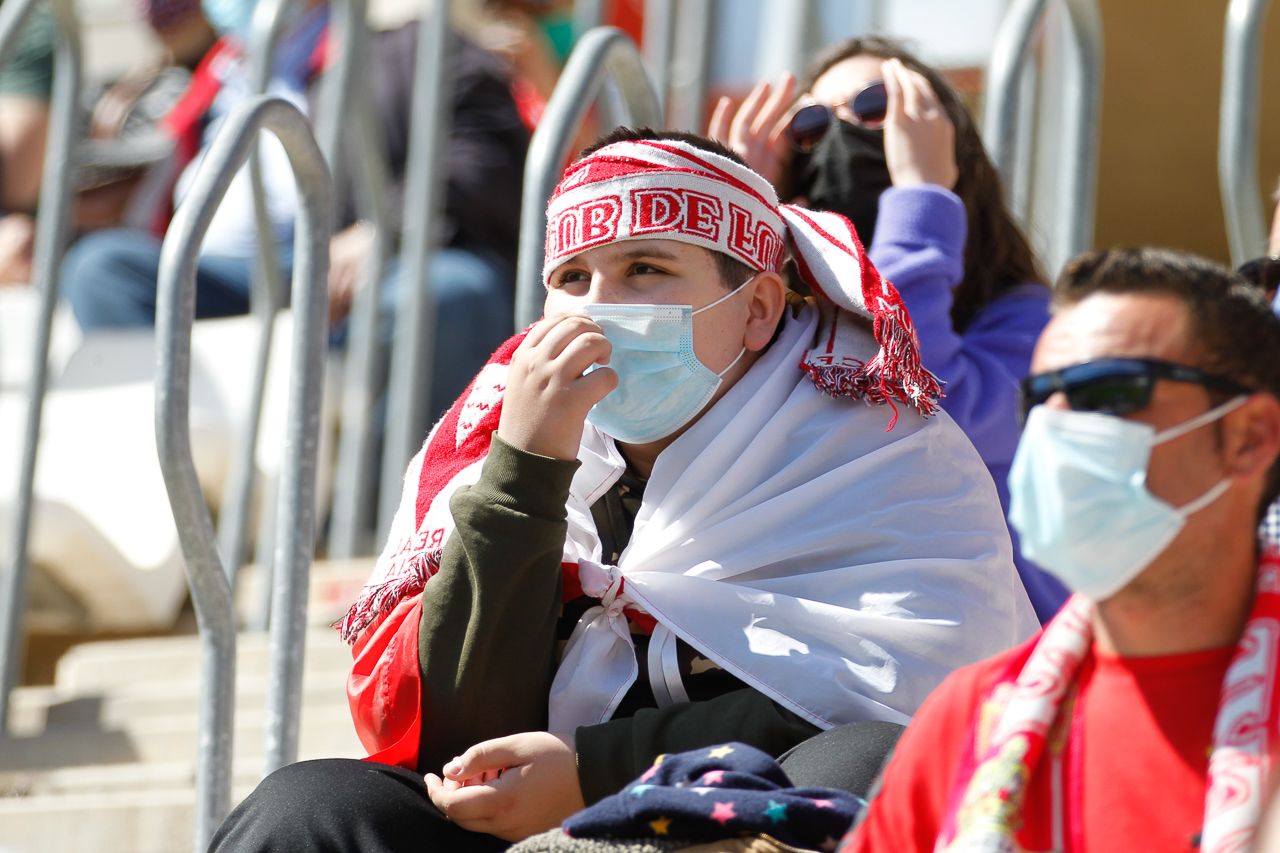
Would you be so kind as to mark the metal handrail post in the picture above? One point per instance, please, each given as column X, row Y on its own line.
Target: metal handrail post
column 50, row 239
column 687, row 102
column 266, row 299
column 285, row 575
column 1009, row 55
column 659, row 44
column 1078, row 177
column 587, row 15
column 605, row 52
column 353, row 485
column 1076, row 183
column 347, row 20
column 175, row 313
column 413, row 348
column 1238, row 130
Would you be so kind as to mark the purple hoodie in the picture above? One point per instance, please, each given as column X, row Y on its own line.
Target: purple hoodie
column 919, row 246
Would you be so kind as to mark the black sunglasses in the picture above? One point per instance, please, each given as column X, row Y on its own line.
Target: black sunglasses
column 869, row 106
column 1263, row 273
column 1115, row 386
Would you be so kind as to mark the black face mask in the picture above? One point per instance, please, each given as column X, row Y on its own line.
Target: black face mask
column 845, row 173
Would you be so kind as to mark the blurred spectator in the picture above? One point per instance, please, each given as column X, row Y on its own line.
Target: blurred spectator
column 472, row 275
column 884, row 139
column 126, row 176
column 1265, row 271
column 535, row 38
column 25, row 84
column 109, row 277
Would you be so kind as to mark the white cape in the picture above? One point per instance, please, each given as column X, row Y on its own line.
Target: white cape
column 841, row 569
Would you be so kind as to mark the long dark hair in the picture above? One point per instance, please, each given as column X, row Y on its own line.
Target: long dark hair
column 997, row 256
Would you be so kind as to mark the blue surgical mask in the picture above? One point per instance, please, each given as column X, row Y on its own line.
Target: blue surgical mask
column 230, row 17
column 1079, row 501
column 661, row 384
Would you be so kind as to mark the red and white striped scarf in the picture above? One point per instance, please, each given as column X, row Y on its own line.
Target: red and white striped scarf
column 990, row 793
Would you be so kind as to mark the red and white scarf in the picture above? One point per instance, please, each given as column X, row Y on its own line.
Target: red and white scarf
column 991, row 790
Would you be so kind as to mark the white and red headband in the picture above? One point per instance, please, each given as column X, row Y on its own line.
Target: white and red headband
column 671, row 190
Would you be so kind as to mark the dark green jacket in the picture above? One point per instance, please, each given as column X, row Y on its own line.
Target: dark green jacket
column 492, row 618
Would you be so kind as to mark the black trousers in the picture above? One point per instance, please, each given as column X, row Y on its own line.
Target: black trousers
column 343, row 805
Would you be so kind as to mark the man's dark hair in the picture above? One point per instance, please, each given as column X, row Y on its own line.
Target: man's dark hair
column 1235, row 333
column 733, row 272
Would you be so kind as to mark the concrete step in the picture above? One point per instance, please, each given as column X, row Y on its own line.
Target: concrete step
column 103, row 821
column 323, row 732
column 98, row 667
column 34, row 708
column 334, row 585
column 246, row 771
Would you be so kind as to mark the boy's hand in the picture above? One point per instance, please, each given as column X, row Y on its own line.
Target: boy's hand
column 547, row 397
column 511, row 787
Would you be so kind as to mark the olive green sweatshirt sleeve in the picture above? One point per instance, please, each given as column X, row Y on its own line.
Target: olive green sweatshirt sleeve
column 486, row 643
column 614, row 753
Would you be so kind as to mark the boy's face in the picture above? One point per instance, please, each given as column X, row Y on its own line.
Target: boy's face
column 656, row 272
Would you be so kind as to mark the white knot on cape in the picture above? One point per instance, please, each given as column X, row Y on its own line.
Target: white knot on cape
column 605, row 583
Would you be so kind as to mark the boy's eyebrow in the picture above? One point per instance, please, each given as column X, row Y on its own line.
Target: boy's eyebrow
column 648, row 252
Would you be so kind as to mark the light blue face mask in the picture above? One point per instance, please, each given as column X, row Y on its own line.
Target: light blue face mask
column 230, row 17
column 1079, row 500
column 661, row 384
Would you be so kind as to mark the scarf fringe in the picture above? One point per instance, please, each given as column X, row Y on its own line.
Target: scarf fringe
column 376, row 602
column 895, row 373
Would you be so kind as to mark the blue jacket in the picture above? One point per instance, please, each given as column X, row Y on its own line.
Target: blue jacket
column 919, row 246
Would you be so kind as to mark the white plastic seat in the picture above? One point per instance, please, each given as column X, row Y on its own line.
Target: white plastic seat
column 102, row 525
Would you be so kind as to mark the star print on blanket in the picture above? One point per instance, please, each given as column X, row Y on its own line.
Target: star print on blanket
column 716, row 793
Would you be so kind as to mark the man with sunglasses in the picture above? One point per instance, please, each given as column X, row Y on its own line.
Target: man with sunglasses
column 1148, row 456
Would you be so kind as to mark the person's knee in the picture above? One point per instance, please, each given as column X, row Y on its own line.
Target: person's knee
column 289, row 805
column 109, row 278
column 473, row 297
column 343, row 804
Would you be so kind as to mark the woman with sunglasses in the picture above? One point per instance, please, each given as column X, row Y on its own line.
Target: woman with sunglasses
column 882, row 138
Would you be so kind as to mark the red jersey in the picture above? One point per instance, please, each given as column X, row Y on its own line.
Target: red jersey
column 1136, row 754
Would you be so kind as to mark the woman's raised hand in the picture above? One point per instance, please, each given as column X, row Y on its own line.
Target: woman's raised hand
column 919, row 139
column 756, row 130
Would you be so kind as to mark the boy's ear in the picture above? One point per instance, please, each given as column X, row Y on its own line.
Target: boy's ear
column 765, row 304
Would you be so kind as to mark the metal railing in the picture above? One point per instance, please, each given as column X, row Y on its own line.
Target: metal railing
column 1238, row 130
column 588, row 14
column 604, row 54
column 210, row 588
column 50, row 239
column 353, row 480
column 413, row 349
column 677, row 38
column 659, row 45
column 686, row 102
column 266, row 299
column 1071, row 224
column 270, row 23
